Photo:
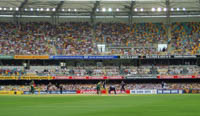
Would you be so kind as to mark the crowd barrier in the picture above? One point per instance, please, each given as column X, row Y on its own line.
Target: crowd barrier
column 128, row 77
column 189, row 91
column 52, row 92
column 31, row 57
column 141, row 77
column 26, row 78
column 98, row 77
column 155, row 91
column 87, row 77
column 102, row 92
column 36, row 78
column 11, row 92
column 169, row 91
column 143, row 91
column 84, row 57
column 178, row 76
column 133, row 92
column 8, row 78
column 157, row 56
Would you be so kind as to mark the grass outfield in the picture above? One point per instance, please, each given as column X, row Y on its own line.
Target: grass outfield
column 81, row 105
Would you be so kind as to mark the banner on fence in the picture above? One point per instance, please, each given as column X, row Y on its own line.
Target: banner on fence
column 102, row 92
column 52, row 92
column 169, row 91
column 31, row 57
column 84, row 57
column 11, row 92
column 35, row 78
column 147, row 91
column 87, row 77
column 177, row 76
column 141, row 77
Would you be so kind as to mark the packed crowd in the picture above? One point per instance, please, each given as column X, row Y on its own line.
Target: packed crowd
column 25, row 39
column 185, row 38
column 78, row 86
column 74, row 39
column 46, row 39
column 137, row 39
column 100, row 71
column 78, row 38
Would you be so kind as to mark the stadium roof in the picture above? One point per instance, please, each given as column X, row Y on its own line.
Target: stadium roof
column 100, row 8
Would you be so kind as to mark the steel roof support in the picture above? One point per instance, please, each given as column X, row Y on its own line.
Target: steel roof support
column 168, row 21
column 93, row 18
column 130, row 17
column 17, row 14
column 55, row 15
column 93, row 13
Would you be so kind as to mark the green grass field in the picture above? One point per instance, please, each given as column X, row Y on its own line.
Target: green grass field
column 130, row 105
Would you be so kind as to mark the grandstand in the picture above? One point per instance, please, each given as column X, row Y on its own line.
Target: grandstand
column 54, row 47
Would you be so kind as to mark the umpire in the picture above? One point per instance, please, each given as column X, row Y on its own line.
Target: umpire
column 122, row 86
column 112, row 88
column 61, row 88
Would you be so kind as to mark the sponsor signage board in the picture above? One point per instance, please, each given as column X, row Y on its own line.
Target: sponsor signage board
column 141, row 77
column 169, row 91
column 84, row 57
column 31, row 57
column 177, row 76
column 52, row 92
column 143, row 91
column 87, row 77
column 102, row 92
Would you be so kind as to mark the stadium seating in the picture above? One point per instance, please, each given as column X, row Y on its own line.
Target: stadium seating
column 25, row 39
column 99, row 71
column 185, row 38
column 78, row 38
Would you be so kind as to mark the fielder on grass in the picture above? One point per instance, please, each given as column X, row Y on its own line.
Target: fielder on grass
column 98, row 87
column 32, row 84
